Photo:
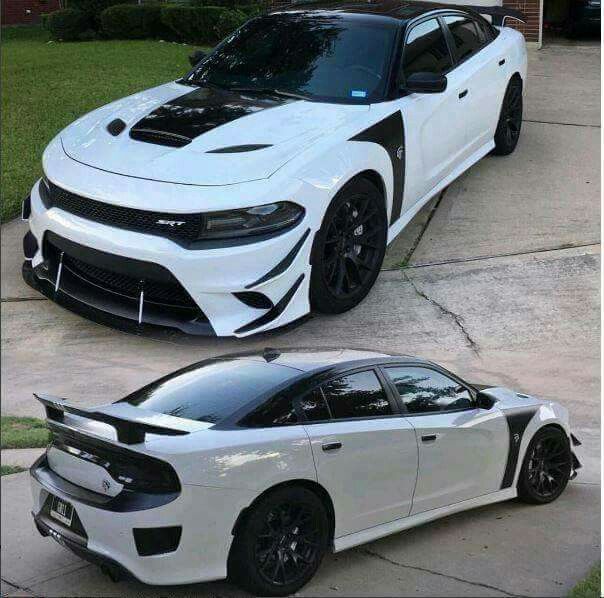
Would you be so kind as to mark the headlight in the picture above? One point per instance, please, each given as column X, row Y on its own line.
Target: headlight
column 250, row 221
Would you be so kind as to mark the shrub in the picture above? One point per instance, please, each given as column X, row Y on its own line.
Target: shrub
column 192, row 24
column 251, row 10
column 228, row 21
column 68, row 24
column 132, row 21
column 94, row 8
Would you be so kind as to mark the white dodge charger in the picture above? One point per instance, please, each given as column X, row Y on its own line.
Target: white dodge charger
column 268, row 181
column 255, row 465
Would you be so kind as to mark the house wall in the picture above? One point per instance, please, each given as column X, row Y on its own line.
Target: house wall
column 23, row 12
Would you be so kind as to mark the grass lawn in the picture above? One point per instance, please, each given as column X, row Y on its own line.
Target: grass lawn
column 8, row 469
column 23, row 432
column 45, row 86
column 590, row 587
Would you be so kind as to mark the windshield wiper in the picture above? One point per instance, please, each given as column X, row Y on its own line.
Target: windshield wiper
column 271, row 91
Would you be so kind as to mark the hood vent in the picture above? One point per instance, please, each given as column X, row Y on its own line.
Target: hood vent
column 238, row 149
column 159, row 137
column 115, row 127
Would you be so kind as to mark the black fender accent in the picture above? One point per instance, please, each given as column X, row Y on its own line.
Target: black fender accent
column 284, row 264
column 517, row 421
column 390, row 134
column 276, row 311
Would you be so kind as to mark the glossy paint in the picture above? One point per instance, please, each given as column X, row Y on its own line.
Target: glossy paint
column 312, row 149
column 382, row 479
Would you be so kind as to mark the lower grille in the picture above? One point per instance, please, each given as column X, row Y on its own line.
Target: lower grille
column 167, row 292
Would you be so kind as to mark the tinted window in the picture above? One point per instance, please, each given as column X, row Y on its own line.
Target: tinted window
column 327, row 56
column 277, row 411
column 314, row 406
column 425, row 391
column 212, row 391
column 426, row 50
column 356, row 395
column 465, row 34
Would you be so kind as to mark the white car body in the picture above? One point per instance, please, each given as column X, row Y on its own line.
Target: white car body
column 390, row 473
column 315, row 149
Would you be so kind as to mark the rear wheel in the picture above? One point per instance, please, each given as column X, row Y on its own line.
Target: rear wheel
column 280, row 543
column 349, row 248
column 510, row 119
column 546, row 468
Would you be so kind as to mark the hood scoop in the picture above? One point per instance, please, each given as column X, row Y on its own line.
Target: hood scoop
column 159, row 137
column 116, row 126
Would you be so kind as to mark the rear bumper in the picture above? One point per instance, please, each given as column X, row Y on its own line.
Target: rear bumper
column 105, row 537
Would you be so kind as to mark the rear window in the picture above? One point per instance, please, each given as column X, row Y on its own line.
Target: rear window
column 210, row 392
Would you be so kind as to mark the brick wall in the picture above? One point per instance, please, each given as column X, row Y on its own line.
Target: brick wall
column 532, row 11
column 22, row 12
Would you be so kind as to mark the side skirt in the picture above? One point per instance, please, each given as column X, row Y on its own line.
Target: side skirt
column 408, row 215
column 385, row 529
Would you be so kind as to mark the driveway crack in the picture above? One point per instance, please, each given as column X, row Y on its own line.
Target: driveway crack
column 12, row 584
column 478, row 584
column 457, row 319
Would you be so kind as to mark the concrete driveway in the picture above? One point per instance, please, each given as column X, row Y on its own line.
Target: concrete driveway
column 501, row 285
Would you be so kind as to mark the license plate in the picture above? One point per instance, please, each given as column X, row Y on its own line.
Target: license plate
column 61, row 511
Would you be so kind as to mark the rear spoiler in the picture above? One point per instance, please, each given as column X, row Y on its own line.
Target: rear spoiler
column 498, row 14
column 128, row 431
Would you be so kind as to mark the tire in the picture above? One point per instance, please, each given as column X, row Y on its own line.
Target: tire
column 349, row 248
column 510, row 119
column 546, row 468
column 280, row 543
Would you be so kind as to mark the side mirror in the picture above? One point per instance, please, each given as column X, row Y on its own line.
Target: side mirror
column 197, row 57
column 484, row 401
column 425, row 83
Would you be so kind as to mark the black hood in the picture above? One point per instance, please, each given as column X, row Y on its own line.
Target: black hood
column 179, row 121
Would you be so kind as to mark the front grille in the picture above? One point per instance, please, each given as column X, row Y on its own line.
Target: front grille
column 182, row 228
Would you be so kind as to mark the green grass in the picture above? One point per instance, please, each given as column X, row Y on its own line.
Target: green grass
column 45, row 86
column 590, row 587
column 8, row 469
column 23, row 432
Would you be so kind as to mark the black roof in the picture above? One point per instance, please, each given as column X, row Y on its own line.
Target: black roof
column 311, row 359
column 394, row 9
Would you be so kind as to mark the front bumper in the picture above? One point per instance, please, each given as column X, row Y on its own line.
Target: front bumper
column 207, row 517
column 216, row 282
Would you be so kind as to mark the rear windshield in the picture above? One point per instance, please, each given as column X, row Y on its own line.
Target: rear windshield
column 210, row 392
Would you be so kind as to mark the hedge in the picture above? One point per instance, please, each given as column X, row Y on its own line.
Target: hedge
column 227, row 22
column 132, row 21
column 69, row 24
column 191, row 24
column 94, row 8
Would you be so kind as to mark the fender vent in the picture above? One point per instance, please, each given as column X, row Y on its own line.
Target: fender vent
column 115, row 127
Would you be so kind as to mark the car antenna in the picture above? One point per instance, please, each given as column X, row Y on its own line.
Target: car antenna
column 270, row 354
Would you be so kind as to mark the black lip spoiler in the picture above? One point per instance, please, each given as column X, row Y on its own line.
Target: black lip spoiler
column 128, row 431
column 498, row 13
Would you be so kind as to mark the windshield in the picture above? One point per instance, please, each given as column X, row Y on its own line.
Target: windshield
column 212, row 391
column 326, row 57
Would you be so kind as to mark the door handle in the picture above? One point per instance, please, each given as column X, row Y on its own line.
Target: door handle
column 502, row 62
column 463, row 94
column 429, row 437
column 331, row 446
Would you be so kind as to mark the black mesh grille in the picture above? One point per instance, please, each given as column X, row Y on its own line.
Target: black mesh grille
column 183, row 228
column 154, row 291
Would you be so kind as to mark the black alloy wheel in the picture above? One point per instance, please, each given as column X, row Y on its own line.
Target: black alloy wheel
column 349, row 248
column 280, row 543
column 546, row 468
column 510, row 119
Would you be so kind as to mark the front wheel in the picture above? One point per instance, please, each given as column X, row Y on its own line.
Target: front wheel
column 349, row 248
column 546, row 468
column 510, row 119
column 281, row 543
